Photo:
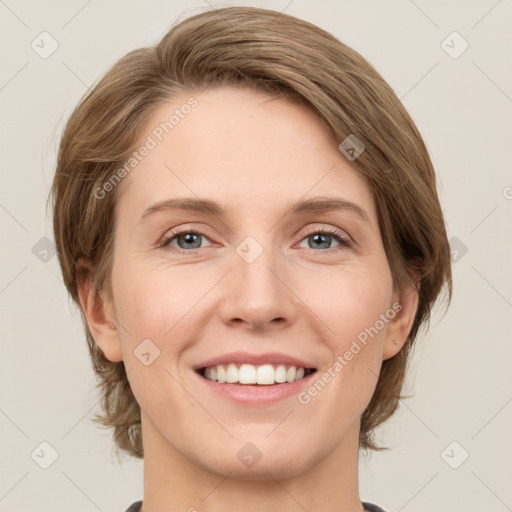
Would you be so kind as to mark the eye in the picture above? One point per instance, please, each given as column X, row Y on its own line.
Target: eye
column 323, row 237
column 189, row 240
column 186, row 239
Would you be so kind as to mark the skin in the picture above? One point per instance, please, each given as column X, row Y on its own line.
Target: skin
column 254, row 154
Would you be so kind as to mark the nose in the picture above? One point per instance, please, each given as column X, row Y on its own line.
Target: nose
column 257, row 296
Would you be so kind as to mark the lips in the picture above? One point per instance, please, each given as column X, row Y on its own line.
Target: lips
column 239, row 358
column 230, row 378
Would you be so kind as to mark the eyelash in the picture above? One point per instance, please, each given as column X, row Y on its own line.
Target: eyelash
column 337, row 234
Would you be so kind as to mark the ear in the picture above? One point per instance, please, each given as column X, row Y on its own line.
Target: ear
column 99, row 313
column 400, row 326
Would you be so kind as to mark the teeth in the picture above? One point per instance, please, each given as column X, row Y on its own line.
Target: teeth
column 265, row 374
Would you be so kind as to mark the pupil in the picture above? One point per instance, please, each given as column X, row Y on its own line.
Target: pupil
column 190, row 238
column 318, row 238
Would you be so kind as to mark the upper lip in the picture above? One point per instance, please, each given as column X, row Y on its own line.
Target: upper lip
column 254, row 359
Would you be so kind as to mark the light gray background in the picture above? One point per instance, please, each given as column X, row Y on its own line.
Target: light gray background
column 461, row 372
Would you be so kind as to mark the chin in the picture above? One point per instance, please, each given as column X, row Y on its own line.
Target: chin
column 262, row 471
column 244, row 461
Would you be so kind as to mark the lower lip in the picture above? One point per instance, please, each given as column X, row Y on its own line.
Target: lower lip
column 252, row 394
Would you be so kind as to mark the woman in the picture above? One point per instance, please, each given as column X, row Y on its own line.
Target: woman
column 245, row 363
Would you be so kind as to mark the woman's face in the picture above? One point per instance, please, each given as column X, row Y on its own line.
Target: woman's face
column 264, row 282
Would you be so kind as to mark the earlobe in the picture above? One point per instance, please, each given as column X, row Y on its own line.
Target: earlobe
column 400, row 326
column 99, row 315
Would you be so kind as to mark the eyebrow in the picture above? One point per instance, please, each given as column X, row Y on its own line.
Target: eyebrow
column 207, row 206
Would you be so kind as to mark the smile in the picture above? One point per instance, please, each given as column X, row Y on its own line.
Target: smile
column 263, row 375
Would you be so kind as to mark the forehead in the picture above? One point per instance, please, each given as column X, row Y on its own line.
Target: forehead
column 242, row 148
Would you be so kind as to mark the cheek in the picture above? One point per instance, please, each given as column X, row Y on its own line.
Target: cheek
column 352, row 311
column 360, row 330
column 353, row 303
column 161, row 306
column 151, row 303
column 155, row 313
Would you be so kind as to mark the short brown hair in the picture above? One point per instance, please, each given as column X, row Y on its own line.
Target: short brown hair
column 276, row 53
